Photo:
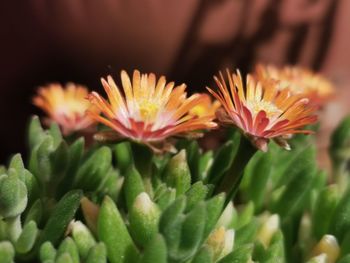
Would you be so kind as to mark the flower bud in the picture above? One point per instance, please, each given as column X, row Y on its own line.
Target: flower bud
column 221, row 242
column 305, row 231
column 227, row 216
column 328, row 245
column 268, row 229
column 216, row 241
column 319, row 259
column 229, row 242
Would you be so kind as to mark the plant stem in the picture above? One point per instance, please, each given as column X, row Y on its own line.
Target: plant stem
column 143, row 157
column 232, row 179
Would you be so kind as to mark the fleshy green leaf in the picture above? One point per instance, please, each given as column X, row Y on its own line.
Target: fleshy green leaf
column 214, row 207
column 276, row 249
column 204, row 255
column 93, row 171
column 133, row 186
column 47, row 252
column 26, row 240
column 36, row 132
column 64, row 258
column 177, row 173
column 97, row 254
column 340, row 222
column 300, row 175
column 113, row 232
column 62, row 214
column 195, row 194
column 7, row 252
column 122, row 153
column 68, row 246
column 170, row 224
column 82, row 238
column 144, row 218
column 223, row 159
column 258, row 172
column 56, row 134
column 192, row 232
column 246, row 234
column 240, row 254
column 155, row 251
column 13, row 196
column 324, row 209
column 35, row 213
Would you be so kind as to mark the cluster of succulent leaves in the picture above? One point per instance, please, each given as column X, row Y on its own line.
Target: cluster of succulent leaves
column 120, row 203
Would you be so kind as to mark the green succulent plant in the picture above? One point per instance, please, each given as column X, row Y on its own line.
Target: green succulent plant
column 120, row 203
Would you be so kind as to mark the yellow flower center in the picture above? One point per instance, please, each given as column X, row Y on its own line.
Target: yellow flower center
column 270, row 108
column 148, row 109
column 71, row 108
column 295, row 85
column 199, row 110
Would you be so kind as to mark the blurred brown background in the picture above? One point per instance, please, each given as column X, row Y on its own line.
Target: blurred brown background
column 188, row 40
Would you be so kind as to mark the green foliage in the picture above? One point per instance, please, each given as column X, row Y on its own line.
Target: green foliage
column 60, row 217
column 13, row 196
column 113, row 232
column 27, row 238
column 144, row 218
column 168, row 208
column 7, row 252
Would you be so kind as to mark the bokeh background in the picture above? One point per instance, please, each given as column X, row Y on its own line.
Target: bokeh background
column 46, row 41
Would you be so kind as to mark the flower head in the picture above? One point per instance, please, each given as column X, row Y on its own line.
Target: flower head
column 261, row 110
column 298, row 80
column 65, row 105
column 206, row 107
column 147, row 110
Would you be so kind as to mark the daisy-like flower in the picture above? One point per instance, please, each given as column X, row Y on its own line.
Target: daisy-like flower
column 261, row 110
column 65, row 105
column 299, row 80
column 206, row 107
column 148, row 111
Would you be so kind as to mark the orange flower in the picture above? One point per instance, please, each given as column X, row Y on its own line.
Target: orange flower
column 148, row 110
column 66, row 106
column 206, row 107
column 261, row 111
column 299, row 80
